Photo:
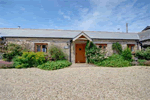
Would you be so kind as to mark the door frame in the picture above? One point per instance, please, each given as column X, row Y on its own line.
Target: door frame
column 76, row 52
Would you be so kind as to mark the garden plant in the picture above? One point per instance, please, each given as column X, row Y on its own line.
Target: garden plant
column 96, row 56
column 143, row 57
column 117, row 48
column 39, row 59
column 12, row 50
column 93, row 54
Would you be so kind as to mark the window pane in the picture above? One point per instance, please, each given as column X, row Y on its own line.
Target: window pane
column 100, row 46
column 104, row 47
column 44, row 48
column 132, row 48
column 38, row 48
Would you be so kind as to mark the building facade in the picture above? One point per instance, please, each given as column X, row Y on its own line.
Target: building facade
column 72, row 42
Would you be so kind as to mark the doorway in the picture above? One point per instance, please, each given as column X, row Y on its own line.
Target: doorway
column 80, row 53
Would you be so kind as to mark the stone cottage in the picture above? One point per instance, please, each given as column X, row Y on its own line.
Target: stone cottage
column 72, row 41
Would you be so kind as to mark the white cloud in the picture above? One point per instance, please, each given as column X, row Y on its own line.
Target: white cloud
column 60, row 12
column 108, row 15
column 64, row 15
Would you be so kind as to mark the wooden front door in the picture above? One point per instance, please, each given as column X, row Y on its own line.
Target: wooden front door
column 80, row 53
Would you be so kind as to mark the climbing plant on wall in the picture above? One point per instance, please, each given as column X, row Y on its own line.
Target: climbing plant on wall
column 117, row 47
column 93, row 54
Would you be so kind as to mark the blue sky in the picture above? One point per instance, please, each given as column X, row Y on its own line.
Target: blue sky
column 95, row 15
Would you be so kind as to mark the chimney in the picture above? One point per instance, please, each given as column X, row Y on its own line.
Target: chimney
column 126, row 27
column 19, row 27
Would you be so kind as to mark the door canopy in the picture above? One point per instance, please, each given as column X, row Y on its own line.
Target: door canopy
column 82, row 36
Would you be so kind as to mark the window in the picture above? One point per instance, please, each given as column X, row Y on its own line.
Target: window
column 131, row 46
column 38, row 48
column 44, row 48
column 41, row 47
column 102, row 46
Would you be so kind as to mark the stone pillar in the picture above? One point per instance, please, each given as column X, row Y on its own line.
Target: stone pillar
column 109, row 50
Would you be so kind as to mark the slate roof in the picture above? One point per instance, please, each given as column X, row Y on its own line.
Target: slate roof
column 51, row 33
column 145, row 35
column 147, row 28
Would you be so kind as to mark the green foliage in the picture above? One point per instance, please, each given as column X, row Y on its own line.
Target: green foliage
column 93, row 54
column 56, row 53
column 13, row 50
column 117, row 47
column 29, row 59
column 143, row 54
column 126, row 54
column 54, row 65
column 141, row 62
column 114, row 61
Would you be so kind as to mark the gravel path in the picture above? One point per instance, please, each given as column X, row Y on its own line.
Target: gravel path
column 76, row 83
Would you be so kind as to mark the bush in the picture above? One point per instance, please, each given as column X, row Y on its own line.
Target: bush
column 114, row 61
column 12, row 51
column 126, row 54
column 140, row 54
column 143, row 54
column 141, row 62
column 29, row 59
column 57, row 53
column 93, row 54
column 117, row 47
column 53, row 65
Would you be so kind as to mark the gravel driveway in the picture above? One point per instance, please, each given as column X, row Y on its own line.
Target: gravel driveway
column 76, row 83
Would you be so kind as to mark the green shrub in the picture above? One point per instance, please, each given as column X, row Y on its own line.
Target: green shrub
column 117, row 47
column 93, row 54
column 53, row 65
column 140, row 54
column 143, row 54
column 114, row 61
column 141, row 62
column 127, row 55
column 12, row 51
column 4, row 56
column 29, row 59
column 56, row 53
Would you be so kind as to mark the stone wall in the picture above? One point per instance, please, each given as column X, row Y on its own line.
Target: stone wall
column 110, row 42
column 62, row 43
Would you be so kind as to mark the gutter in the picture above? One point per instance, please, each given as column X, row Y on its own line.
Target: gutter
column 141, row 44
column 36, row 37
